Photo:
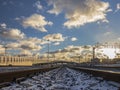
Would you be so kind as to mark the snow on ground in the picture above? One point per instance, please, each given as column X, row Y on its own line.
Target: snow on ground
column 64, row 79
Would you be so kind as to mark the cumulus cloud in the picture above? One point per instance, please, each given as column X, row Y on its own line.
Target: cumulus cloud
column 3, row 25
column 1, row 47
column 11, row 33
column 34, row 40
column 31, row 43
column 69, row 50
column 73, row 48
column 26, row 52
column 24, row 45
column 57, row 43
column 54, row 37
column 37, row 22
column 80, row 12
column 73, row 39
column 30, row 46
column 13, row 45
column 38, row 5
column 118, row 7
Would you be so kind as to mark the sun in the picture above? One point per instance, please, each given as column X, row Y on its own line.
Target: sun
column 110, row 52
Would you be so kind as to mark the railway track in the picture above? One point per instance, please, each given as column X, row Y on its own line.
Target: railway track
column 106, row 74
column 7, row 77
column 64, row 78
column 18, row 76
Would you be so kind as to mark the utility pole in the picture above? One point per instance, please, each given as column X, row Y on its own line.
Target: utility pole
column 93, row 52
column 79, row 58
column 5, row 50
column 5, row 53
column 54, row 57
column 48, row 50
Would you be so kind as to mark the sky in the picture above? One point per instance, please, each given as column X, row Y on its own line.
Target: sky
column 27, row 25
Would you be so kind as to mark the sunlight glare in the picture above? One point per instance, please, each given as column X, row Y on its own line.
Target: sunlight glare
column 110, row 52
